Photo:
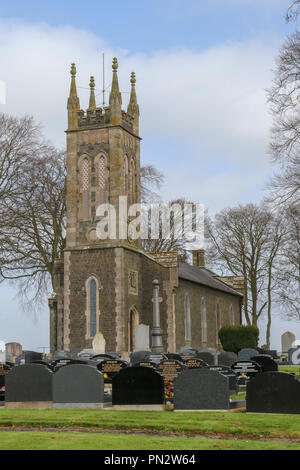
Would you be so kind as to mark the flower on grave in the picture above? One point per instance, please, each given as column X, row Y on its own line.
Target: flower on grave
column 169, row 389
column 2, row 389
column 105, row 375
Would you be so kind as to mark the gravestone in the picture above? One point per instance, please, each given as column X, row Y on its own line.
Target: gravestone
column 29, row 383
column 226, row 358
column 2, row 352
column 27, row 357
column 201, row 389
column 114, row 355
column 99, row 343
column 248, row 368
column 138, row 386
column 138, row 356
column 295, row 357
column 86, row 354
column 156, row 357
column 194, row 363
column 228, row 372
column 287, row 340
column 153, row 365
column 142, row 338
column 174, row 357
column 188, row 350
column 210, row 357
column 273, row 392
column 78, row 386
column 103, row 357
column 267, row 363
column 290, row 354
column 58, row 363
column 111, row 367
column 4, row 369
column 272, row 353
column 170, row 369
column 246, row 354
column 62, row 355
column 13, row 349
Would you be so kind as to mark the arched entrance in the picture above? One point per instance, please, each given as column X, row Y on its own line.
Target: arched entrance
column 133, row 323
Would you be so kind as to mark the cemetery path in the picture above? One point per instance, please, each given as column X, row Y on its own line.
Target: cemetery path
column 222, row 436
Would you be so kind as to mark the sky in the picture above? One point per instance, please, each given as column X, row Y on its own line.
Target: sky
column 202, row 70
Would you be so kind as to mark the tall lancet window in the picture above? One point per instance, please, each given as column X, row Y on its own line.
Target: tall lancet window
column 102, row 173
column 93, row 308
column 132, row 182
column 203, row 321
column 126, row 175
column 85, row 188
column 187, row 313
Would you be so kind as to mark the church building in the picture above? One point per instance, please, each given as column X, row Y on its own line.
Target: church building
column 106, row 285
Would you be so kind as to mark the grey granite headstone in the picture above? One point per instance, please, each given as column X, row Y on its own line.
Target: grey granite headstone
column 246, row 354
column 226, row 358
column 29, row 383
column 210, row 357
column 201, row 389
column 225, row 370
column 78, row 386
column 27, row 357
column 138, row 356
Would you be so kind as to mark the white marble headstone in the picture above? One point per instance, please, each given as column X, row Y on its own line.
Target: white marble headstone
column 142, row 338
column 99, row 343
column 287, row 340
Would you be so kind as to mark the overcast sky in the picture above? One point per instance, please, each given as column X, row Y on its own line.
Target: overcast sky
column 202, row 69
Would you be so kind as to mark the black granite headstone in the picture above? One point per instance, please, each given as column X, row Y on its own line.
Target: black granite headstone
column 194, row 363
column 138, row 356
column 78, row 384
column 170, row 369
column 174, row 357
column 249, row 368
column 273, row 392
column 138, row 386
column 56, row 364
column 111, row 367
column 267, row 363
column 29, row 382
column 226, row 358
column 201, row 389
column 228, row 372
column 153, row 365
column 207, row 356
column 27, row 357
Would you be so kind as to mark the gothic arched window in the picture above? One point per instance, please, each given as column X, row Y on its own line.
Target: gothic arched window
column 102, row 172
column 132, row 182
column 85, row 175
column 92, row 307
column 203, row 321
column 187, row 313
column 126, row 175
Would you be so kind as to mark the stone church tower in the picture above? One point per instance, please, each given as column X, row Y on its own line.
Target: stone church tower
column 104, row 285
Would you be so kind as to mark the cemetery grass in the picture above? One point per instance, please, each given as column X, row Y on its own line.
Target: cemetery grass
column 98, row 441
column 221, row 425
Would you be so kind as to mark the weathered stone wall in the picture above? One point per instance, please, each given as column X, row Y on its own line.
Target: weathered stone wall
column 212, row 297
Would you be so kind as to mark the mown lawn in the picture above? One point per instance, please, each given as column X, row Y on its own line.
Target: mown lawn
column 88, row 441
column 226, row 425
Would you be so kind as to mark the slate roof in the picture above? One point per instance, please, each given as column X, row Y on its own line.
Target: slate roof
column 204, row 277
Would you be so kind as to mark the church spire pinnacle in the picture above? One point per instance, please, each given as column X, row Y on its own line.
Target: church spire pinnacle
column 133, row 107
column 115, row 99
column 73, row 100
column 92, row 103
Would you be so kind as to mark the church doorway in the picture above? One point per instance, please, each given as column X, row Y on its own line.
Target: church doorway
column 133, row 323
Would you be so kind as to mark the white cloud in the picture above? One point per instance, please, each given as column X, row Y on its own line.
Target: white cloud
column 211, row 103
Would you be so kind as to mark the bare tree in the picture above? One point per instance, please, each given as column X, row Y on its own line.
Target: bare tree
column 151, row 181
column 293, row 11
column 288, row 273
column 33, row 235
column 175, row 238
column 244, row 241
